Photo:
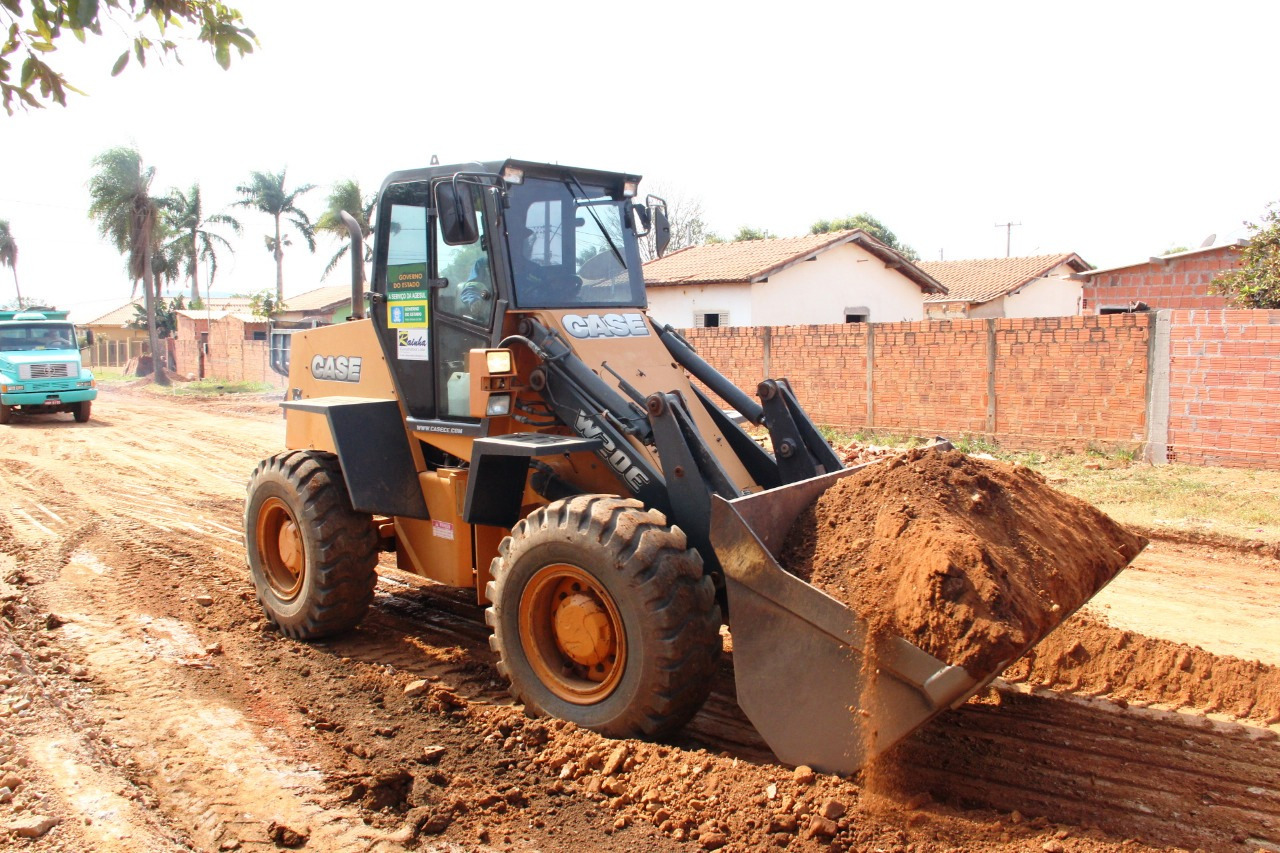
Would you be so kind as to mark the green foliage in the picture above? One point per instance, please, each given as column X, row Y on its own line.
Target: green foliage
column 872, row 226
column 35, row 28
column 264, row 304
column 346, row 196
column 1173, row 250
column 746, row 232
column 266, row 192
column 166, row 317
column 193, row 241
column 1256, row 284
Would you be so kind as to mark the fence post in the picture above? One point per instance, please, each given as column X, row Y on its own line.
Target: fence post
column 991, row 377
column 1156, row 451
column 871, row 375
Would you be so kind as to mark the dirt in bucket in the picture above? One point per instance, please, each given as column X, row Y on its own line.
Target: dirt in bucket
column 970, row 559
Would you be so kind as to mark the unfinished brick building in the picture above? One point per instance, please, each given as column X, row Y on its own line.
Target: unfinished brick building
column 1179, row 281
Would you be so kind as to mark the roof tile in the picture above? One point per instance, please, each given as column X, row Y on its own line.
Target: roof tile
column 754, row 260
column 984, row 279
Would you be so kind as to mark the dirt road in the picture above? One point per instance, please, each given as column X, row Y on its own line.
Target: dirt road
column 144, row 705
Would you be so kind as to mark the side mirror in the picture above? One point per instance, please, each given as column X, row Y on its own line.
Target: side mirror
column 661, row 229
column 88, row 336
column 641, row 219
column 457, row 213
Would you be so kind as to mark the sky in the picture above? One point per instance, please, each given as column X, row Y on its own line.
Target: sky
column 1114, row 130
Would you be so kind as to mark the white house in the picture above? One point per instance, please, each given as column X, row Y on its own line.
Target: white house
column 1033, row 286
column 838, row 277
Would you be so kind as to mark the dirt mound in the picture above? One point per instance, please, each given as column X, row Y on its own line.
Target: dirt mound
column 969, row 559
column 1086, row 656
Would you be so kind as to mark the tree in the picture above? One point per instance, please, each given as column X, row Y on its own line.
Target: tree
column 1256, row 284
column 747, row 232
column 126, row 213
column 166, row 317
column 193, row 240
column 688, row 228
column 263, row 304
column 33, row 30
column 9, row 255
column 266, row 192
column 872, row 226
column 346, row 196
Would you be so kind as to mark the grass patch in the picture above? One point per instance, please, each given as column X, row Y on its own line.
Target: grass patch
column 1237, row 503
column 110, row 374
column 214, row 387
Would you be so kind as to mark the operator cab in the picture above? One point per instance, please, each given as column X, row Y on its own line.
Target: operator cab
column 457, row 247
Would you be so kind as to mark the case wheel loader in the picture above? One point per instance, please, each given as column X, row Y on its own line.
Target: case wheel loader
column 507, row 417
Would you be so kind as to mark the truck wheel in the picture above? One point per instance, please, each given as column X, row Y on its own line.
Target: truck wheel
column 602, row 616
column 311, row 555
column 6, row 414
column 83, row 408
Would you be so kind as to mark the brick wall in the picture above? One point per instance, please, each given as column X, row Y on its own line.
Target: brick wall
column 233, row 358
column 1177, row 283
column 1045, row 383
column 1224, row 388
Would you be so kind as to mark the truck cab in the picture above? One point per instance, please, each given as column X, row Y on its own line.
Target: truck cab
column 40, row 367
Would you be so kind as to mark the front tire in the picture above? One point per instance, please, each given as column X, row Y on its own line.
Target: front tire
column 82, row 411
column 602, row 616
column 311, row 555
column 6, row 414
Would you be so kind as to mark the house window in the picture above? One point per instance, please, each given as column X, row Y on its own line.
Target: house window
column 710, row 319
column 259, row 336
column 857, row 314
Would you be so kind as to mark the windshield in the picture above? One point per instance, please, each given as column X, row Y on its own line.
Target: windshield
column 570, row 247
column 37, row 336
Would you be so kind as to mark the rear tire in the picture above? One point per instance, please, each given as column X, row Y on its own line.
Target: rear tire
column 311, row 555
column 6, row 414
column 82, row 410
column 602, row 616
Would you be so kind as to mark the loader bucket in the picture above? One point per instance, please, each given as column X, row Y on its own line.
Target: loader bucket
column 800, row 656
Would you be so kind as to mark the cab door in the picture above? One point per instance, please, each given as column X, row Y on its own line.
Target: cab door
column 432, row 303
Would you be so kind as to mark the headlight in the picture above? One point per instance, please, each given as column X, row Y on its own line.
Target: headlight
column 498, row 360
column 9, row 389
column 88, row 384
column 499, row 406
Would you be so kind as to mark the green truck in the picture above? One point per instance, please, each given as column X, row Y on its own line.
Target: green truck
column 40, row 369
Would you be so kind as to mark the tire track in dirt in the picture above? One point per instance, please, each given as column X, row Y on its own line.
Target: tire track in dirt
column 216, row 774
column 129, row 601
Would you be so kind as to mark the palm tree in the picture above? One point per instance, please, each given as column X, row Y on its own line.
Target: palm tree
column 266, row 192
column 9, row 255
column 194, row 241
column 346, row 196
column 125, row 211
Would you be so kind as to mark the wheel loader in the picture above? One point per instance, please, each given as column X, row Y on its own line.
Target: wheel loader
column 506, row 416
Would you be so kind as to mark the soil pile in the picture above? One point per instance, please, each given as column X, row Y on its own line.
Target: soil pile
column 969, row 559
column 1085, row 656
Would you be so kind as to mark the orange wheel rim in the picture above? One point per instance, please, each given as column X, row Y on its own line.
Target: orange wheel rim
column 280, row 548
column 572, row 634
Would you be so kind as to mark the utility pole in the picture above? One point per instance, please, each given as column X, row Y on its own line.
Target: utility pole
column 1008, row 234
